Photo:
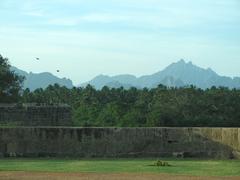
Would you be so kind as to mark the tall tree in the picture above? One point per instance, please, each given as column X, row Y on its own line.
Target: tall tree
column 10, row 83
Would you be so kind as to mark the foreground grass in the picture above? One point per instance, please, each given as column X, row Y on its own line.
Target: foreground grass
column 179, row 166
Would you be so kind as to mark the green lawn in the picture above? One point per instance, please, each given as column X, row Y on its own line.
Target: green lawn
column 181, row 166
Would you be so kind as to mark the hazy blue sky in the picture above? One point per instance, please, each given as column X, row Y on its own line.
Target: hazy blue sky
column 84, row 38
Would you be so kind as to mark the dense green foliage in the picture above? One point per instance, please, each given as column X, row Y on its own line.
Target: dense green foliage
column 10, row 83
column 162, row 106
column 179, row 166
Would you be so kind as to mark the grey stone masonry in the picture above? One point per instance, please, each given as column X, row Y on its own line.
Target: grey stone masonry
column 35, row 115
column 120, row 142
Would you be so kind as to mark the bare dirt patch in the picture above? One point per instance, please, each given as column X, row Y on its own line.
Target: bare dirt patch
column 93, row 176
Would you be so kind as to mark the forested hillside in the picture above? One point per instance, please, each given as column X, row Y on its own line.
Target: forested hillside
column 161, row 106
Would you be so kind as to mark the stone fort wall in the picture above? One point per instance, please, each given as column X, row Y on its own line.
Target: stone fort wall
column 120, row 142
column 35, row 115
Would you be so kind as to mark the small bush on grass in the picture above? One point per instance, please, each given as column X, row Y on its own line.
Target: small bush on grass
column 160, row 163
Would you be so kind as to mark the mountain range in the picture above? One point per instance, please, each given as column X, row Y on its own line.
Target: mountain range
column 41, row 80
column 177, row 74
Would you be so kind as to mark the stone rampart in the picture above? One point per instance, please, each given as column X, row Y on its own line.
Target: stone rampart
column 120, row 142
column 35, row 115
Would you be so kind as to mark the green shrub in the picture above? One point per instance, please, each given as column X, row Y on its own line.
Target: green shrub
column 160, row 163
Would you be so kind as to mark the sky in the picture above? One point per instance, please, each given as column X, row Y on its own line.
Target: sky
column 86, row 38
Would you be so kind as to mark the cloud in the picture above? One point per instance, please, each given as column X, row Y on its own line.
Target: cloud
column 105, row 18
column 34, row 14
column 147, row 14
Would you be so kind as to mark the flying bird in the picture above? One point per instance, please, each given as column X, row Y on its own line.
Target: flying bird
column 58, row 70
column 37, row 58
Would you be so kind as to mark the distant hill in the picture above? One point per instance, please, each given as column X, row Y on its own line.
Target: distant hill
column 177, row 74
column 126, row 81
column 41, row 80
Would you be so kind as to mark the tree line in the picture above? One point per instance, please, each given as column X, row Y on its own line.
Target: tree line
column 158, row 107
column 119, row 107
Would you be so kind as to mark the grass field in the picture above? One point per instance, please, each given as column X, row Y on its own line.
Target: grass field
column 190, row 167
